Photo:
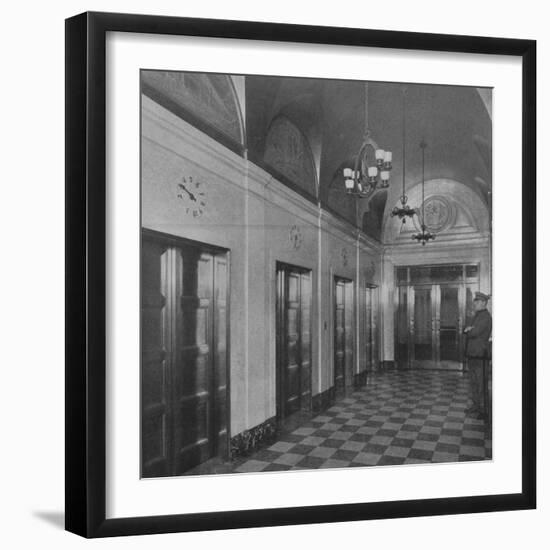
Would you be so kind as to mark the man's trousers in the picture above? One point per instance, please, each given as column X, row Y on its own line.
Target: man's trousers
column 477, row 393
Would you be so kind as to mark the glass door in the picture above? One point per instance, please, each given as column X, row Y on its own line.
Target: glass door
column 449, row 324
column 403, row 328
column 423, row 326
column 433, row 305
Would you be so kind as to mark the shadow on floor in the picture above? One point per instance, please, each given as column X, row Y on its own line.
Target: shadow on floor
column 57, row 519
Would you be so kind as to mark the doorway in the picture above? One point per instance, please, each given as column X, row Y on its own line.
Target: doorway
column 343, row 334
column 434, row 304
column 293, row 340
column 184, row 354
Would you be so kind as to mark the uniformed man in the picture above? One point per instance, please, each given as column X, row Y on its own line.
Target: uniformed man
column 477, row 352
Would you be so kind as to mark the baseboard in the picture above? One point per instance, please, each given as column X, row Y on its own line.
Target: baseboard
column 323, row 400
column 251, row 440
column 360, row 379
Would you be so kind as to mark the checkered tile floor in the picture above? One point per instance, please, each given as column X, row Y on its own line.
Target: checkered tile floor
column 402, row 417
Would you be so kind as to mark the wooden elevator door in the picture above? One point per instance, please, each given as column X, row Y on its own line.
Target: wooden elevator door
column 156, row 418
column 184, row 356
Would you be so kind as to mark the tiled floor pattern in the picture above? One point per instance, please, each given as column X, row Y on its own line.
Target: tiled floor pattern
column 402, row 417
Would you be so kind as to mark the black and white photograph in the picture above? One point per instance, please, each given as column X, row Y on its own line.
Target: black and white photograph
column 274, row 275
column 316, row 273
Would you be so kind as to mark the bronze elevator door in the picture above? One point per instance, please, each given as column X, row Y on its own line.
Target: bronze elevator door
column 343, row 333
column 371, row 329
column 293, row 340
column 184, row 356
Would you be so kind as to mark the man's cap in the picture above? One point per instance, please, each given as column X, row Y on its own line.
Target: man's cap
column 481, row 296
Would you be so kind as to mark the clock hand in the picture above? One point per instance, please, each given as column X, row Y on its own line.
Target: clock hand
column 191, row 196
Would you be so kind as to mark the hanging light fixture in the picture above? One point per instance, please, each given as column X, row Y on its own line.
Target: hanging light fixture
column 368, row 174
column 404, row 211
column 424, row 236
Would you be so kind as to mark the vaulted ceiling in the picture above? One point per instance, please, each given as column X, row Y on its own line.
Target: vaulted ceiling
column 454, row 121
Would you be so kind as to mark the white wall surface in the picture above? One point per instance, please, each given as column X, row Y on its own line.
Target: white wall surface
column 31, row 218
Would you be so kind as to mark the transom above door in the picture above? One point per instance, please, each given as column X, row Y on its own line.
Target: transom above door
column 433, row 305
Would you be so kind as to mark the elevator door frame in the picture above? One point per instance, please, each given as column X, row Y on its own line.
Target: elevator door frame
column 173, row 241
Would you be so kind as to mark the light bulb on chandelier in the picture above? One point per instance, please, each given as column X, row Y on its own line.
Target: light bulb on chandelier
column 404, row 211
column 372, row 166
column 424, row 236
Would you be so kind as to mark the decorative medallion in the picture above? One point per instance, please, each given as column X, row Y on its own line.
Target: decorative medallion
column 438, row 214
column 295, row 237
column 345, row 257
column 191, row 192
column 370, row 271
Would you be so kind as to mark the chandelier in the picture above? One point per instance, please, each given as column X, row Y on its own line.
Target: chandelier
column 424, row 236
column 404, row 211
column 371, row 170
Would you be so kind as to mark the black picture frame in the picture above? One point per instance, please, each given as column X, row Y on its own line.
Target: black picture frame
column 86, row 273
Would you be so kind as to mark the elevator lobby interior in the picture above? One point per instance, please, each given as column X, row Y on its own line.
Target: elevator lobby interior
column 292, row 316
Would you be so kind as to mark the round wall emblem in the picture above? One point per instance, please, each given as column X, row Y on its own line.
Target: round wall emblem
column 370, row 271
column 345, row 257
column 437, row 214
column 295, row 237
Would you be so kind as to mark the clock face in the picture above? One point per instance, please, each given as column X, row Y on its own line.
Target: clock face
column 191, row 192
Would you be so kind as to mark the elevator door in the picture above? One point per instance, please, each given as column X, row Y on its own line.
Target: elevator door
column 293, row 340
column 184, row 355
column 343, row 334
column 371, row 329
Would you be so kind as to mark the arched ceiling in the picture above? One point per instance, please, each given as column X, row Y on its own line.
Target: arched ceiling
column 454, row 120
column 296, row 99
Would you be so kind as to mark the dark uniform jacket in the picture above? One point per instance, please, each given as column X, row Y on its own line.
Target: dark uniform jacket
column 477, row 340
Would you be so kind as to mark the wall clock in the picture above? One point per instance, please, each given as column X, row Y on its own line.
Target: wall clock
column 191, row 192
